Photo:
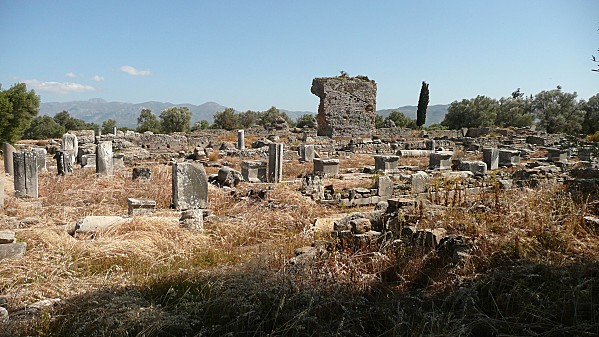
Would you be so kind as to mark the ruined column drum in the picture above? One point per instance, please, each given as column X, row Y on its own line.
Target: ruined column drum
column 347, row 105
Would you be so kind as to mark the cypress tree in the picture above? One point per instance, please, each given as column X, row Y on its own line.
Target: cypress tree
column 422, row 105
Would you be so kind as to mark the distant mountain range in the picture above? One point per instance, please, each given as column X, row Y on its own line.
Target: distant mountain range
column 97, row 110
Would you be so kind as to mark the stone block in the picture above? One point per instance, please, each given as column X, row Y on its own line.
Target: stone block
column 25, row 175
column 476, row 167
column 141, row 173
column 491, row 158
column 14, row 250
column 88, row 160
column 40, row 158
column 241, row 139
column 360, row 226
column 330, row 167
column 139, row 206
column 306, row 152
column 419, row 182
column 253, row 171
column 509, row 157
column 555, row 154
column 384, row 186
column 93, row 224
column 192, row 219
column 118, row 161
column 440, row 160
column 275, row 162
column 189, row 186
column 104, row 162
column 386, row 163
column 7, row 236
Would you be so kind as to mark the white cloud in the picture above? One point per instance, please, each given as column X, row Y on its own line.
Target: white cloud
column 58, row 87
column 70, row 75
column 135, row 72
column 98, row 78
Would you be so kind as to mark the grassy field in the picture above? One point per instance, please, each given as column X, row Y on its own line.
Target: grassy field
column 534, row 271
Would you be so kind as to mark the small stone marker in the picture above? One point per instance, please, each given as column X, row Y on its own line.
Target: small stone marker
column 419, row 182
column 190, row 186
column 275, row 162
column 554, row 154
column 63, row 162
column 14, row 250
column 139, row 206
column 104, row 163
column 241, row 139
column 306, row 152
column 25, row 174
column 440, row 160
column 8, row 151
column 253, row 171
column 384, row 186
column 118, row 161
column 491, row 158
column 71, row 145
column 1, row 191
column 40, row 157
column 385, row 163
column 330, row 167
column 192, row 219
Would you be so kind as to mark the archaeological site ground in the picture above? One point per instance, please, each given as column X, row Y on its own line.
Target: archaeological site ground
column 337, row 230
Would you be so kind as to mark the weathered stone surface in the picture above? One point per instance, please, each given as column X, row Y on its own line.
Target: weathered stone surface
column 1, row 191
column 275, row 162
column 7, row 236
column 25, row 174
column 555, row 154
column 118, row 161
column 347, row 105
column 104, row 163
column 228, row 177
column 92, row 224
column 253, row 171
column 491, row 158
column 313, row 186
column 385, row 163
column 190, row 186
column 476, row 167
column 40, row 157
column 241, row 139
column 14, row 250
column 192, row 219
column 141, row 173
column 440, row 160
column 360, row 226
column 419, row 182
column 330, row 167
column 384, row 186
column 306, row 152
column 88, row 160
column 63, row 162
column 70, row 144
column 509, row 157
column 139, row 206
column 8, row 151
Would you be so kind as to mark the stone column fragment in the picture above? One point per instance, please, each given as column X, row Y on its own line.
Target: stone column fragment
column 25, row 174
column 491, row 158
column 241, row 139
column 8, row 151
column 189, row 186
column 275, row 162
column 104, row 164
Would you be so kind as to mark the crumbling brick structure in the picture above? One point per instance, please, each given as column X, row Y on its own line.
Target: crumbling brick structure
column 347, row 105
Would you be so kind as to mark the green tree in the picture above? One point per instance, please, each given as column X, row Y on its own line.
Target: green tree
column 175, row 119
column 422, row 105
column 248, row 119
column 515, row 111
column 108, row 126
column 44, row 127
column 268, row 117
column 201, row 125
column 227, row 119
column 18, row 107
column 379, row 121
column 480, row 111
column 306, row 120
column 147, row 121
column 558, row 111
column 401, row 120
column 591, row 115
column 70, row 123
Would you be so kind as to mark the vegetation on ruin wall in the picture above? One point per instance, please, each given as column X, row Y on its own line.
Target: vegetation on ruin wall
column 533, row 272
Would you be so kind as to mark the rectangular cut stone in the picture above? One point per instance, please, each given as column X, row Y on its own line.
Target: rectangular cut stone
column 71, row 145
column 419, row 182
column 476, row 167
column 104, row 163
column 385, row 163
column 14, row 250
column 25, row 174
column 330, row 167
column 40, row 158
column 253, row 171
column 275, row 162
column 509, row 157
column 8, row 151
column 63, row 162
column 491, row 158
column 118, row 161
column 88, row 160
column 241, row 139
column 554, row 154
column 190, row 186
column 138, row 206
column 440, row 160
column 306, row 152
column 384, row 186
column 142, row 173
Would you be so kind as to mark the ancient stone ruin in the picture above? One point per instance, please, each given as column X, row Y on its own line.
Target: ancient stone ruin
column 347, row 105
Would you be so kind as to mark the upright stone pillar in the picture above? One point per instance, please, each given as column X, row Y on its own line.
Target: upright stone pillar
column 63, row 162
column 241, row 139
column 190, row 186
column 25, row 174
column 306, row 152
column 40, row 157
column 8, row 151
column 104, row 164
column 114, row 130
column 491, row 158
column 71, row 145
column 275, row 162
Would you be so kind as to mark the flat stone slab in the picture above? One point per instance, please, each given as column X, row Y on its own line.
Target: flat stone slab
column 7, row 236
column 92, row 224
column 14, row 250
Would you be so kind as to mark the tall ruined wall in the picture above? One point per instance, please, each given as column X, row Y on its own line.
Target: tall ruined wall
column 347, row 105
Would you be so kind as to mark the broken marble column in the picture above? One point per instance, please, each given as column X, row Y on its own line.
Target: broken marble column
column 275, row 162
column 8, row 151
column 40, row 157
column 71, row 145
column 104, row 162
column 306, row 152
column 189, row 186
column 385, row 163
column 241, row 139
column 491, row 158
column 440, row 160
column 114, row 130
column 63, row 162
column 141, row 173
column 253, row 171
column 25, row 174
column 330, row 167
column 509, row 157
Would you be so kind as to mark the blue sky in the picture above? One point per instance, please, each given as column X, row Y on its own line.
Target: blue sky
column 255, row 54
